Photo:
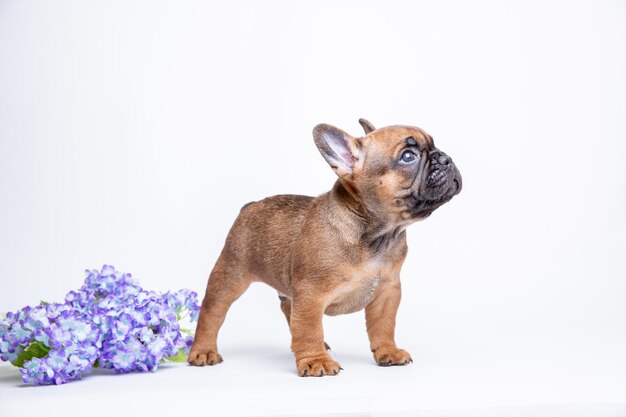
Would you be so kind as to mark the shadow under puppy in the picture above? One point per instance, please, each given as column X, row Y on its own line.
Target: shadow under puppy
column 337, row 253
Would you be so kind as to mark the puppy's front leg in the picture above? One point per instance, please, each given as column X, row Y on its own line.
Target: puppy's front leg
column 380, row 317
column 307, row 338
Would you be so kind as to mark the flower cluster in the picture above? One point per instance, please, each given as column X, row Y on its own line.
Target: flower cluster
column 110, row 322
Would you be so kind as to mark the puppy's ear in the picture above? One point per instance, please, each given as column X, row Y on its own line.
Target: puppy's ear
column 367, row 126
column 340, row 150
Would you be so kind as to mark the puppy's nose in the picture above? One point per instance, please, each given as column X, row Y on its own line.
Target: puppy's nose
column 439, row 158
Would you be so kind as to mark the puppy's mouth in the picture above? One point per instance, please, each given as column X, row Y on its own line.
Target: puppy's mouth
column 438, row 181
column 457, row 185
column 424, row 208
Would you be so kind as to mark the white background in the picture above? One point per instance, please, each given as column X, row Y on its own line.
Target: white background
column 131, row 132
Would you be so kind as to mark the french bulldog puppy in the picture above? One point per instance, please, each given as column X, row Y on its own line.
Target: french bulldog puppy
column 337, row 253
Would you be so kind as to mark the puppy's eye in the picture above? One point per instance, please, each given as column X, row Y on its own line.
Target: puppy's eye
column 408, row 157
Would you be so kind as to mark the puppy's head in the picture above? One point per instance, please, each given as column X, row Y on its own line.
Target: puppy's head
column 396, row 172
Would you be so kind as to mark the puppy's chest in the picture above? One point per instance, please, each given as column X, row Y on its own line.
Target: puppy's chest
column 358, row 287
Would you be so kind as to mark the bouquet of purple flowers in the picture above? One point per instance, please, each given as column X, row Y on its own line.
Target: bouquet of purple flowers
column 110, row 322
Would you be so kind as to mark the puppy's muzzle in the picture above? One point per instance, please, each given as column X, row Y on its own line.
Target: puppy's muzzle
column 442, row 178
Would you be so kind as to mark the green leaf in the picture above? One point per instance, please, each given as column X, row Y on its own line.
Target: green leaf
column 35, row 350
column 181, row 356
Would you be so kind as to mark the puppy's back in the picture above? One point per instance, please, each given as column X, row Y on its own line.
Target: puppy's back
column 264, row 235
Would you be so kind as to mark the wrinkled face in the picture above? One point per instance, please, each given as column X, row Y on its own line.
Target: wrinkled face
column 396, row 172
column 403, row 172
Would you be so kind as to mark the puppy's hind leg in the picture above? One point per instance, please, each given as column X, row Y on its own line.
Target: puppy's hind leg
column 226, row 284
column 285, row 306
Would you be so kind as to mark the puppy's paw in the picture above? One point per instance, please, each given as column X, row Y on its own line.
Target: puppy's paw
column 317, row 366
column 204, row 357
column 391, row 356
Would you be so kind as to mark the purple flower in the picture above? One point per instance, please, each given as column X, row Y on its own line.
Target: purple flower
column 110, row 319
